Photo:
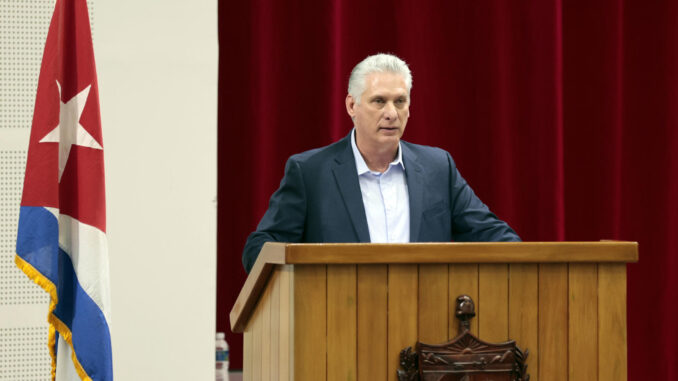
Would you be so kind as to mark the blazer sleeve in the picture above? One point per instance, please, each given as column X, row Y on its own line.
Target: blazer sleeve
column 472, row 221
column 285, row 218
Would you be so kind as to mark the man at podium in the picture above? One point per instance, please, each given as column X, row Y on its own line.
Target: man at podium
column 371, row 186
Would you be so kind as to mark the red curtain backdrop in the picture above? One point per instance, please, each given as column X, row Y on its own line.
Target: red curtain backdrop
column 561, row 115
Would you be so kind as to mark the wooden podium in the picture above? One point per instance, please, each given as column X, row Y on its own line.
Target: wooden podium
column 345, row 311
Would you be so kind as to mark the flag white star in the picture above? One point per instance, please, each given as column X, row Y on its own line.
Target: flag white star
column 69, row 131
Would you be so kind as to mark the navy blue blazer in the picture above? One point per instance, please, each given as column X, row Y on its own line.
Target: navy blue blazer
column 319, row 200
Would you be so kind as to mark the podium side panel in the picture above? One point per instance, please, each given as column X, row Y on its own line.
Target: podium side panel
column 262, row 342
column 583, row 325
column 433, row 299
column 463, row 280
column 553, row 323
column 247, row 354
column 341, row 322
column 402, row 313
column 372, row 321
column 612, row 358
column 257, row 328
column 275, row 325
column 524, row 312
column 266, row 332
column 492, row 303
column 286, row 344
column 310, row 322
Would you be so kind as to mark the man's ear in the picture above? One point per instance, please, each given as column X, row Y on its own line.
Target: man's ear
column 350, row 105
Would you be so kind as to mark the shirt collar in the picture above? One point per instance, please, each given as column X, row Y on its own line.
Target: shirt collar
column 360, row 164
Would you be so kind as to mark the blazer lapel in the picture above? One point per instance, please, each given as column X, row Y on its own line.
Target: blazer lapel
column 346, row 176
column 415, row 189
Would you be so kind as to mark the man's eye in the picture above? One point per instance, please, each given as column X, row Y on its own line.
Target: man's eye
column 379, row 100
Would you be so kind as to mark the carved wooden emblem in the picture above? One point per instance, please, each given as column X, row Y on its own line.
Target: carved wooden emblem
column 465, row 358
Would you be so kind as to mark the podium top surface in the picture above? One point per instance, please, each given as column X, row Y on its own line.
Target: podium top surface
column 276, row 253
column 449, row 252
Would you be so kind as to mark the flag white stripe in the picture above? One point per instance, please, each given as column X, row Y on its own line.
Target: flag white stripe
column 92, row 268
column 65, row 370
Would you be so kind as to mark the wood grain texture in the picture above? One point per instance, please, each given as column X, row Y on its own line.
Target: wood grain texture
column 341, row 322
column 273, row 253
column 274, row 285
column 553, row 322
column 257, row 330
column 524, row 312
column 457, row 252
column 247, row 355
column 372, row 321
column 310, row 322
column 280, row 320
column 463, row 252
column 583, row 322
column 402, row 313
column 492, row 303
column 612, row 322
column 265, row 303
column 463, row 280
column 286, row 345
column 433, row 308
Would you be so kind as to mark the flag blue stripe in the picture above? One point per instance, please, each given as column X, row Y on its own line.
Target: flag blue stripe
column 38, row 240
column 37, row 244
column 90, row 335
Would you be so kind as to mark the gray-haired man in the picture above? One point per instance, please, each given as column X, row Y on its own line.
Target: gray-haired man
column 371, row 186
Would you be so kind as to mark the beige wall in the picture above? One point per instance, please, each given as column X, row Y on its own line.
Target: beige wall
column 157, row 66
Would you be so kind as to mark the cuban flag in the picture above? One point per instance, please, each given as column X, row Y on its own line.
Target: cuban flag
column 61, row 242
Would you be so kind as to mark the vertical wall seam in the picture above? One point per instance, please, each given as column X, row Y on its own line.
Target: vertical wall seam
column 388, row 306
column 447, row 299
column 598, row 318
column 567, row 328
column 418, row 298
column 327, row 343
column 538, row 350
column 508, row 301
column 479, row 314
column 357, row 326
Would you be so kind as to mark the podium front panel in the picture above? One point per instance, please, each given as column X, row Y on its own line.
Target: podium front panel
column 349, row 322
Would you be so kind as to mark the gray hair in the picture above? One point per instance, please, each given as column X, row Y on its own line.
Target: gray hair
column 377, row 63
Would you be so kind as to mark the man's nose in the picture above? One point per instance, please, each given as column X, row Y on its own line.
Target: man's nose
column 390, row 111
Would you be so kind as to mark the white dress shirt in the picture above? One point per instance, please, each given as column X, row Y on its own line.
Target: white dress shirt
column 385, row 197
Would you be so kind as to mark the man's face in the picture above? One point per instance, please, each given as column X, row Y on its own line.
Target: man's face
column 382, row 113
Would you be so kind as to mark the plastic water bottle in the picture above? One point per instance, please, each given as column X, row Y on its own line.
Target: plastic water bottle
column 222, row 357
